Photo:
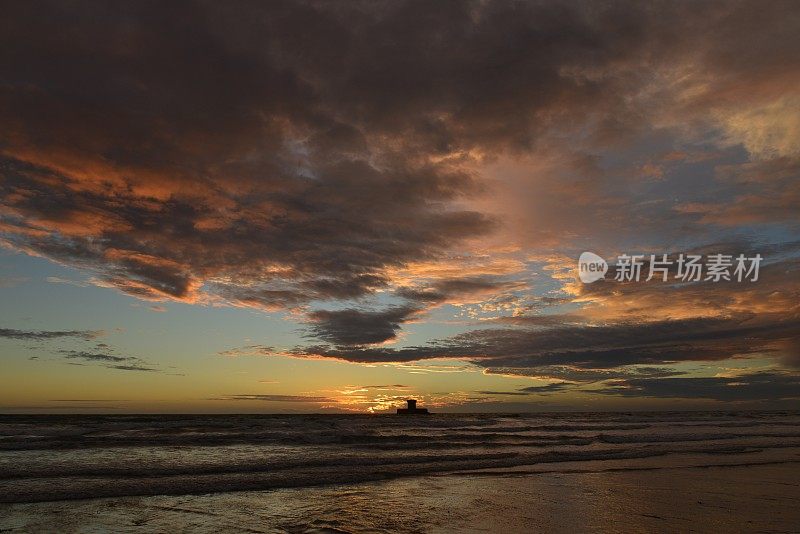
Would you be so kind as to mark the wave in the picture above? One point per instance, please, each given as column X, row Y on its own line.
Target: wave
column 522, row 436
column 267, row 477
column 68, row 457
column 67, row 432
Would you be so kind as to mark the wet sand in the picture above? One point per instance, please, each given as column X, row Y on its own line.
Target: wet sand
column 583, row 497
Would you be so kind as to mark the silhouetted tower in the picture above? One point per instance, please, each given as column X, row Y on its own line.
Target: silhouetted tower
column 412, row 408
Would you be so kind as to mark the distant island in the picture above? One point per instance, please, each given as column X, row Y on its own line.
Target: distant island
column 412, row 408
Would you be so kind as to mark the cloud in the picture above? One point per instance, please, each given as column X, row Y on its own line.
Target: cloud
column 248, row 350
column 488, row 291
column 772, row 295
column 630, row 331
column 96, row 357
column 111, row 361
column 358, row 392
column 587, row 347
column 762, row 192
column 101, row 354
column 88, row 400
column 356, row 327
column 768, row 131
column 548, row 388
column 45, row 335
column 576, row 374
column 132, row 367
column 271, row 171
column 59, row 280
column 402, row 158
column 756, row 386
column 511, row 393
column 274, row 398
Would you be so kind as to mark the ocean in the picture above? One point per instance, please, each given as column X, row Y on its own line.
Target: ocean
column 369, row 473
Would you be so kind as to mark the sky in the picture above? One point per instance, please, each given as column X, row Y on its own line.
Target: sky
column 292, row 207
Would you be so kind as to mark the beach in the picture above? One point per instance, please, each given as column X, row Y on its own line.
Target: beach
column 758, row 498
column 703, row 472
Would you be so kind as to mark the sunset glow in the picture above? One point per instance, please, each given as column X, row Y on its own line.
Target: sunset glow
column 330, row 207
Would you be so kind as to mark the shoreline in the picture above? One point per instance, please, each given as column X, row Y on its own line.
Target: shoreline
column 20, row 490
column 706, row 499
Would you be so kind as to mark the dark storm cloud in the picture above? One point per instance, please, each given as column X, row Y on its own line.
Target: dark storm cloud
column 510, row 393
column 271, row 154
column 575, row 374
column 735, row 320
column 218, row 151
column 590, row 347
column 757, row 386
column 549, row 388
column 455, row 288
column 43, row 335
column 275, row 153
column 555, row 387
column 319, row 241
column 356, row 327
